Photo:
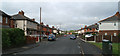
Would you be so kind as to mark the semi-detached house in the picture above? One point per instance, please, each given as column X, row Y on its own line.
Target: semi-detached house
column 110, row 27
column 30, row 26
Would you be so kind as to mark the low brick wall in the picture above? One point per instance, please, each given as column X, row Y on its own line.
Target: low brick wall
column 114, row 39
column 90, row 38
column 30, row 40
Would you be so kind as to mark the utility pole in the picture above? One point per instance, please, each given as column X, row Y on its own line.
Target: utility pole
column 40, row 25
column 40, row 14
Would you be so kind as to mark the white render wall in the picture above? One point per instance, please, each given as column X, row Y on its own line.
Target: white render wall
column 19, row 24
column 55, row 31
column 109, row 25
column 28, row 24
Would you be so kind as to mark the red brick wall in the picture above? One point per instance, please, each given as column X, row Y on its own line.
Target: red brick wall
column 50, row 30
column 30, row 40
column 11, row 24
column 115, row 39
column 4, row 21
column 44, row 29
column 109, row 32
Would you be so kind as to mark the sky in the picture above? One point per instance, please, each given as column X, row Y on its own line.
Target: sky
column 63, row 14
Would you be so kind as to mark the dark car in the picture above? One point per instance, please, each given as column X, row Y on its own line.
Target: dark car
column 51, row 37
column 72, row 36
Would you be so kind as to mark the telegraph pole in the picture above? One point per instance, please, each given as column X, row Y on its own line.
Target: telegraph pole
column 40, row 25
column 40, row 14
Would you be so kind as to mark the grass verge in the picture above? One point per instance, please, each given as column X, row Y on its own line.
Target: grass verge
column 114, row 45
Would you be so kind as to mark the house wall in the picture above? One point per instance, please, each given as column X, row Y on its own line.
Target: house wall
column 108, row 28
column 5, row 24
column 31, row 25
column 20, row 24
column 0, row 19
column 109, row 25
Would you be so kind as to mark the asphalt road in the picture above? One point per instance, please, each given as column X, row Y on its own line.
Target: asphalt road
column 63, row 45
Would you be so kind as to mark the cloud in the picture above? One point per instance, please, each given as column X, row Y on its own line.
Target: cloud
column 70, row 15
column 59, row 0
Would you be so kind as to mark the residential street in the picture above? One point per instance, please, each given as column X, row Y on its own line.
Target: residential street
column 62, row 45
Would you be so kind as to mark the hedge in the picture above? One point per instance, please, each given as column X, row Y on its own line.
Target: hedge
column 12, row 37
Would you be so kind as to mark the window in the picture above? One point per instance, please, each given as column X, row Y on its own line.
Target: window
column 114, row 24
column 114, row 34
column 16, row 25
column 1, row 19
column 6, row 20
column 100, row 23
column 105, row 33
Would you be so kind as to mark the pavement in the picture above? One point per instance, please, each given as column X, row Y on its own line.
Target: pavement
column 89, row 49
column 20, row 49
column 63, row 46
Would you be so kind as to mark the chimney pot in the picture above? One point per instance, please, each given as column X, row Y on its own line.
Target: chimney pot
column 47, row 25
column 52, row 26
column 21, row 12
column 33, row 19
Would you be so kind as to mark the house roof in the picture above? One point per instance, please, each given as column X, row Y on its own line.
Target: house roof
column 22, row 17
column 115, row 17
column 93, row 26
column 3, row 13
column 19, row 16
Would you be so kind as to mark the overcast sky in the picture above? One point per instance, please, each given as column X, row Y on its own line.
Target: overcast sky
column 69, row 14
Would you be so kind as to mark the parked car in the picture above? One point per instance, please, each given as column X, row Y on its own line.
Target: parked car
column 72, row 36
column 65, row 35
column 44, row 36
column 51, row 37
column 88, row 35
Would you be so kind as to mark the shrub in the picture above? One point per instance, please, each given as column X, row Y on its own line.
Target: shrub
column 12, row 37
column 5, row 38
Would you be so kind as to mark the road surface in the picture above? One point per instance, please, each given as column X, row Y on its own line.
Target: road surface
column 63, row 45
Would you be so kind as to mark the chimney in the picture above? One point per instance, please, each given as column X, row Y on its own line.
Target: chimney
column 85, row 26
column 117, row 14
column 21, row 12
column 47, row 25
column 81, row 28
column 33, row 19
column 95, row 23
column 52, row 26
column 41, row 23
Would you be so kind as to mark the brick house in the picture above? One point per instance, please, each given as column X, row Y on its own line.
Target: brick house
column 109, row 28
column 54, row 30
column 93, row 29
column 4, row 20
column 30, row 26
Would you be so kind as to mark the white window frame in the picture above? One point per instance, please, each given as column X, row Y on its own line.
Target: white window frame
column 6, row 20
column 114, row 24
column 1, row 19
